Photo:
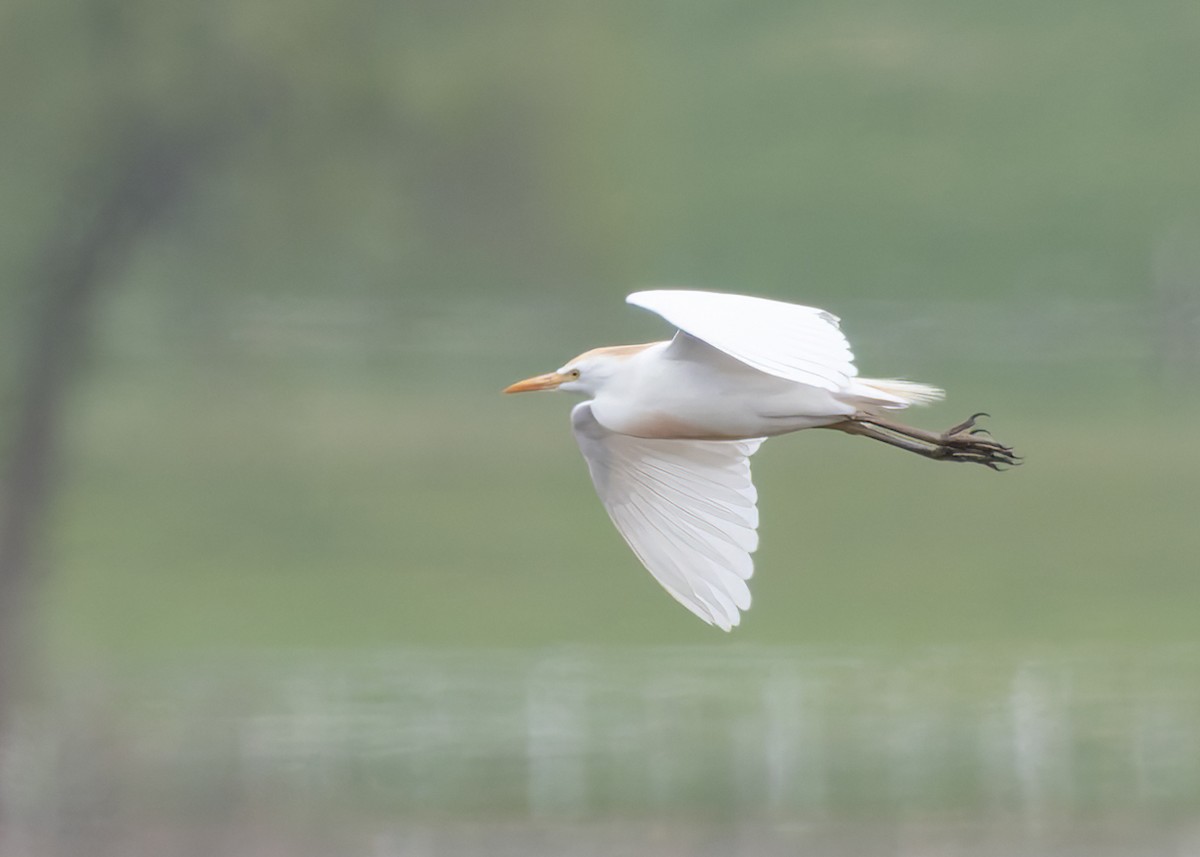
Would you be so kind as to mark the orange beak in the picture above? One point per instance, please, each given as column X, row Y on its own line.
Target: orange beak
column 539, row 382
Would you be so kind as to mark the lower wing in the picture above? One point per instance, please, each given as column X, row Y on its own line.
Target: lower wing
column 687, row 508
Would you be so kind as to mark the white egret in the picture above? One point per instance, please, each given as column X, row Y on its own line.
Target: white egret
column 669, row 428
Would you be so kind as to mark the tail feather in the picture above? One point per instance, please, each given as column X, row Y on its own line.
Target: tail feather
column 893, row 394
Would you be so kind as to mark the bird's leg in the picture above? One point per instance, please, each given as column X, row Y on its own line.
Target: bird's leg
column 963, row 442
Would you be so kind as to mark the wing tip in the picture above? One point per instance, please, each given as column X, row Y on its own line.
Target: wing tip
column 639, row 297
column 726, row 622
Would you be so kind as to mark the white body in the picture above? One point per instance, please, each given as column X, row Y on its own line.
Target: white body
column 669, row 428
column 685, row 389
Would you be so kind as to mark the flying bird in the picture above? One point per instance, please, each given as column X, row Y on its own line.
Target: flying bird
column 668, row 429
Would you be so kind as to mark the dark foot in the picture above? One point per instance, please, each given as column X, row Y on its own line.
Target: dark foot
column 965, row 442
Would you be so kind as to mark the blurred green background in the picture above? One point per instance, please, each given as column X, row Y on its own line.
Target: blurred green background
column 286, row 439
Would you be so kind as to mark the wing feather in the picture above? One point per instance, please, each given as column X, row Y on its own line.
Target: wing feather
column 798, row 343
column 686, row 508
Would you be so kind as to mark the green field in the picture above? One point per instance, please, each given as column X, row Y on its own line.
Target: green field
column 272, row 506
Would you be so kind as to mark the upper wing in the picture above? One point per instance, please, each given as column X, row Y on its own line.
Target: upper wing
column 799, row 343
column 687, row 508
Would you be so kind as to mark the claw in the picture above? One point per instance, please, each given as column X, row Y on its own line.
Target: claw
column 968, row 423
column 976, row 450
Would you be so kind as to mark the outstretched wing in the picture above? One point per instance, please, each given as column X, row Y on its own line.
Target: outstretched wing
column 686, row 508
column 798, row 343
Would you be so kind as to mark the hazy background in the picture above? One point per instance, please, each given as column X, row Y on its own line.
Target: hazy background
column 309, row 584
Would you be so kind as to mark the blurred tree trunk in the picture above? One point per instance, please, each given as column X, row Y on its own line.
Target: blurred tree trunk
column 113, row 203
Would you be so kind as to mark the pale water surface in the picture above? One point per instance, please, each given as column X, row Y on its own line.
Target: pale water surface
column 590, row 750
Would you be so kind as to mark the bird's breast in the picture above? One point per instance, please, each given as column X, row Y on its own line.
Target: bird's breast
column 671, row 416
column 693, row 406
column 660, row 424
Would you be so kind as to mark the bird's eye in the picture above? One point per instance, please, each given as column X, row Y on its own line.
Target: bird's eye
column 573, row 374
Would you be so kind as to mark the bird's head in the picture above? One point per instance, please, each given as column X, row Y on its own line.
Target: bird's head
column 585, row 374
